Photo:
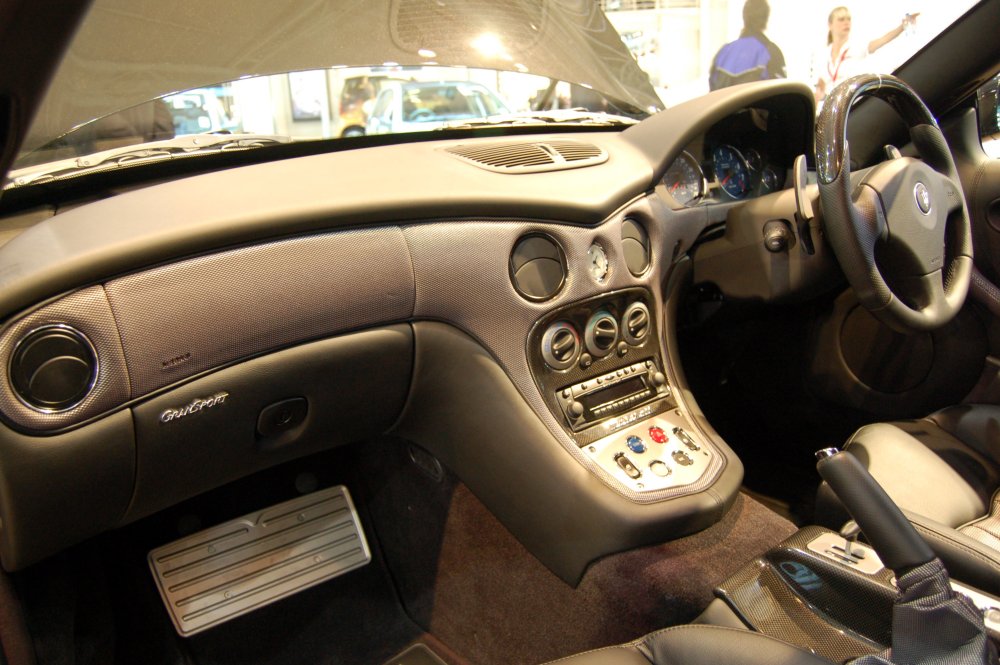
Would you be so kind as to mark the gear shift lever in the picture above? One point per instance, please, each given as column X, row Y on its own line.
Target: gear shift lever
column 930, row 623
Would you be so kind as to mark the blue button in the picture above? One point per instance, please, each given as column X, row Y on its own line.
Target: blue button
column 635, row 444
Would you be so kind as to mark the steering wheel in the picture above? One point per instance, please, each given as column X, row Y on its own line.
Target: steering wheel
column 420, row 115
column 901, row 230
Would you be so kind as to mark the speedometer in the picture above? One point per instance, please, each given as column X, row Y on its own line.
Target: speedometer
column 731, row 171
column 685, row 180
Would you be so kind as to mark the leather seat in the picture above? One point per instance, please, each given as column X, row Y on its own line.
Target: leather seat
column 697, row 645
column 944, row 472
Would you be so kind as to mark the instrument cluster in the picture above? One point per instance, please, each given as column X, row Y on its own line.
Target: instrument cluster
column 735, row 160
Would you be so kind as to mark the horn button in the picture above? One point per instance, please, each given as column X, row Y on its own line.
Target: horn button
column 916, row 207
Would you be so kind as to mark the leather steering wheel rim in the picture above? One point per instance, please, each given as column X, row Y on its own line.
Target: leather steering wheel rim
column 900, row 230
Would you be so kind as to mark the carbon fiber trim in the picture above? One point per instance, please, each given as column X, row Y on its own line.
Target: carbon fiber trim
column 472, row 289
column 813, row 602
column 195, row 315
column 87, row 311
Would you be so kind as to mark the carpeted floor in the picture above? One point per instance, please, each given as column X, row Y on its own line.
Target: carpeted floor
column 444, row 573
column 97, row 604
column 463, row 577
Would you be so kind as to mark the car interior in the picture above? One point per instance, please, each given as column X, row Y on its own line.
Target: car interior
column 513, row 395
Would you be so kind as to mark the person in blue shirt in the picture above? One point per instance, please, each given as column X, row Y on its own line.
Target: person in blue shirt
column 752, row 57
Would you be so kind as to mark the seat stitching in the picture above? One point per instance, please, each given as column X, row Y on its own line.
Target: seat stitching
column 975, row 554
column 993, row 515
column 993, row 500
column 608, row 648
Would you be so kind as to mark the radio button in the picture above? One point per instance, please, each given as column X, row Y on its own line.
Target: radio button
column 636, row 445
column 657, row 434
column 682, row 458
column 576, row 409
column 660, row 468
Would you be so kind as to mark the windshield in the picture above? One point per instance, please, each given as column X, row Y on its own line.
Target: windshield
column 140, row 71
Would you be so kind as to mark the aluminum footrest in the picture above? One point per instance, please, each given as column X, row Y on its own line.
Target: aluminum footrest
column 228, row 570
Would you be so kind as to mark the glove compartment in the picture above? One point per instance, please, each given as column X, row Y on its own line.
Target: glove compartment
column 268, row 410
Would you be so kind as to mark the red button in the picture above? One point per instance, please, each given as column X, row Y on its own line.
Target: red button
column 657, row 434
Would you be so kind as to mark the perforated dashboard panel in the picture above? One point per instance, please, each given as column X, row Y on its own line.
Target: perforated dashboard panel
column 195, row 315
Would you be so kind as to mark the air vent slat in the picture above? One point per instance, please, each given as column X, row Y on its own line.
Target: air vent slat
column 531, row 157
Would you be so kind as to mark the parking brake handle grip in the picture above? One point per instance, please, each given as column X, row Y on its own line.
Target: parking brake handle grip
column 898, row 544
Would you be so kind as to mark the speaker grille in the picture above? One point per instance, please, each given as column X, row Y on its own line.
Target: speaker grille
column 88, row 312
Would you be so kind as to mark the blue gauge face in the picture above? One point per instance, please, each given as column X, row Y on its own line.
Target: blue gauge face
column 731, row 171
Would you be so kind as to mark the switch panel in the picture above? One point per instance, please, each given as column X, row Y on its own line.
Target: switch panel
column 654, row 454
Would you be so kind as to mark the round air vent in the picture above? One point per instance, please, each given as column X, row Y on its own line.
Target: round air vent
column 53, row 368
column 635, row 323
column 635, row 247
column 601, row 333
column 560, row 345
column 537, row 267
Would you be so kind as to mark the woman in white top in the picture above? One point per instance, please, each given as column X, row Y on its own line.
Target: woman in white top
column 842, row 58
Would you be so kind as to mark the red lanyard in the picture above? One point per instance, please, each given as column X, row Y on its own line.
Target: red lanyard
column 835, row 72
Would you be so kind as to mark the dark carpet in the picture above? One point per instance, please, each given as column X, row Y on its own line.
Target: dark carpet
column 97, row 604
column 464, row 578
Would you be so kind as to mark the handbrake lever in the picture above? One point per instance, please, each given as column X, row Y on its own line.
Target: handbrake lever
column 931, row 625
column 898, row 544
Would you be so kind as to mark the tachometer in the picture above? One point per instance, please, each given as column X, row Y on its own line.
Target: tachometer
column 685, row 180
column 731, row 171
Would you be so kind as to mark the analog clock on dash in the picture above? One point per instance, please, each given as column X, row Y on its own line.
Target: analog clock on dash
column 597, row 262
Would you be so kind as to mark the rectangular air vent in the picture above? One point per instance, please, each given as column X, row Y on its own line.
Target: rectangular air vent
column 533, row 157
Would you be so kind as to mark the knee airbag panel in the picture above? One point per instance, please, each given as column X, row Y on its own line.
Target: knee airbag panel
column 56, row 491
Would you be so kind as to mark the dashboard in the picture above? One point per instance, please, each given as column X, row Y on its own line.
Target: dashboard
column 164, row 341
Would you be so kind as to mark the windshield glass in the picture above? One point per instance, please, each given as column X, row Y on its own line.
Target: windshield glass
column 141, row 71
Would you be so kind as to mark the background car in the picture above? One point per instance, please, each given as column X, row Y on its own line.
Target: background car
column 356, row 99
column 417, row 106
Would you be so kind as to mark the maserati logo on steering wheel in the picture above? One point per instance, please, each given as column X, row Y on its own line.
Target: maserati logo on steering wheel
column 923, row 197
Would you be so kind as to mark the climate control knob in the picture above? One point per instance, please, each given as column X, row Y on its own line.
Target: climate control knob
column 560, row 345
column 636, row 323
column 601, row 334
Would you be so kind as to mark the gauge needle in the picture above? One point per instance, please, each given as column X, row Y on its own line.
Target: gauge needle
column 676, row 185
column 726, row 179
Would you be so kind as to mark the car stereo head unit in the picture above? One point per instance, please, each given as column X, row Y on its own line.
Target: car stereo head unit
column 618, row 391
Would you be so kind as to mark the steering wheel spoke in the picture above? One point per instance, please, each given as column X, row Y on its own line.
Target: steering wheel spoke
column 953, row 198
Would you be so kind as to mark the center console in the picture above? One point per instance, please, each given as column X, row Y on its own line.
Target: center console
column 600, row 370
column 821, row 592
